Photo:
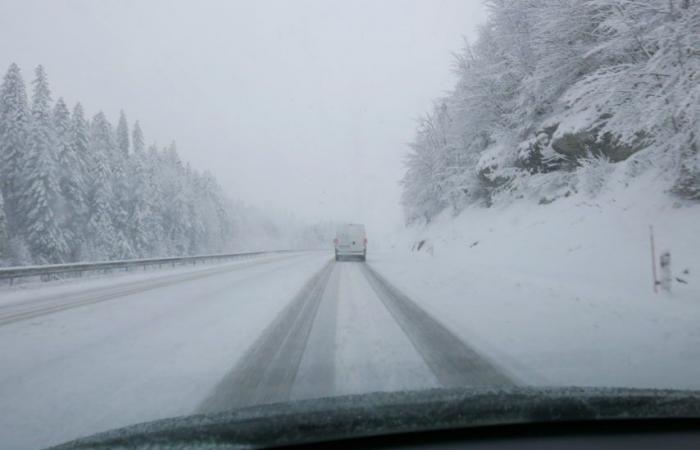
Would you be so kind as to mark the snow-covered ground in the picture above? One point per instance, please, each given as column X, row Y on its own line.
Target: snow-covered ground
column 150, row 355
column 562, row 293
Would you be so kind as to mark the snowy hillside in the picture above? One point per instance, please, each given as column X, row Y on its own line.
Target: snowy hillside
column 562, row 293
column 531, row 188
column 552, row 95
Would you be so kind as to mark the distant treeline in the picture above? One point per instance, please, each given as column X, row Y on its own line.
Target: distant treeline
column 556, row 95
column 78, row 189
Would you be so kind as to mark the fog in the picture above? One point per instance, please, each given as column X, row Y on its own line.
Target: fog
column 300, row 106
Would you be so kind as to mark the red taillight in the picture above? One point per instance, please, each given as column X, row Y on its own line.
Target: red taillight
column 365, row 241
column 335, row 241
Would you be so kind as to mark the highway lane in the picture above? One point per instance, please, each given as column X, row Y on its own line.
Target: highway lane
column 350, row 331
column 142, row 356
column 290, row 327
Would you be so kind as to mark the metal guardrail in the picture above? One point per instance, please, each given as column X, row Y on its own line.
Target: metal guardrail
column 52, row 271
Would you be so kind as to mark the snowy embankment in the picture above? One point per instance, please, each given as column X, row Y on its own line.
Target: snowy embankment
column 561, row 293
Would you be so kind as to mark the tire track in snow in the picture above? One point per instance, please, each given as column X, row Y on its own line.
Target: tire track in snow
column 453, row 362
column 317, row 371
column 267, row 371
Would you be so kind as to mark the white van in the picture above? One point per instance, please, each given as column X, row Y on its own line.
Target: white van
column 351, row 240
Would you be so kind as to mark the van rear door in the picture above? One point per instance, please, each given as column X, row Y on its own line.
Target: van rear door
column 351, row 239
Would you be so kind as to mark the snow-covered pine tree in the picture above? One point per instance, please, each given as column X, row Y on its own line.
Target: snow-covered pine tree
column 3, row 234
column 120, row 187
column 123, row 135
column 60, row 123
column 154, row 195
column 40, row 200
column 82, row 191
column 139, row 231
column 140, row 228
column 223, row 213
column 176, row 222
column 67, row 180
column 78, row 198
column 14, row 127
column 78, row 189
column 207, row 217
column 80, row 141
column 71, row 148
column 100, row 227
column 195, row 238
column 137, row 138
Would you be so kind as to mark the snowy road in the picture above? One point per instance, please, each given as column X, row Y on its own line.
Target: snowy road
column 80, row 358
column 384, row 341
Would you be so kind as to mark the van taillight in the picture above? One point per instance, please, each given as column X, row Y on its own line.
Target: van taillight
column 335, row 241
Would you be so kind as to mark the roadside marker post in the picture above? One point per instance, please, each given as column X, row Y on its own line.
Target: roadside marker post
column 665, row 264
column 653, row 260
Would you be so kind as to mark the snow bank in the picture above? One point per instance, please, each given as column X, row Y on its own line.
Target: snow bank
column 562, row 293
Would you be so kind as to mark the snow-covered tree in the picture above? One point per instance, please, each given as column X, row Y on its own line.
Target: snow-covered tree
column 41, row 203
column 176, row 220
column 74, row 189
column 77, row 190
column 121, row 189
column 137, row 138
column 423, row 183
column 552, row 87
column 14, row 128
column 123, row 135
column 154, row 195
column 4, row 256
column 100, row 227
column 71, row 146
column 142, row 230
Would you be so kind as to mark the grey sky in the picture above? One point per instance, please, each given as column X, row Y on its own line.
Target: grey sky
column 303, row 106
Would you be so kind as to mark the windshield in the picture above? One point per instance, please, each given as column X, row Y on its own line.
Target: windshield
column 213, row 205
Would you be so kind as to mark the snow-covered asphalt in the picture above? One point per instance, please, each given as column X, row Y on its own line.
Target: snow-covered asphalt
column 79, row 358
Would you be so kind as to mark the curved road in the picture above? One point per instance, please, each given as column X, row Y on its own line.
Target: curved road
column 79, row 358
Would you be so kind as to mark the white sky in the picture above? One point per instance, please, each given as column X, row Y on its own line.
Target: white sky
column 296, row 105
